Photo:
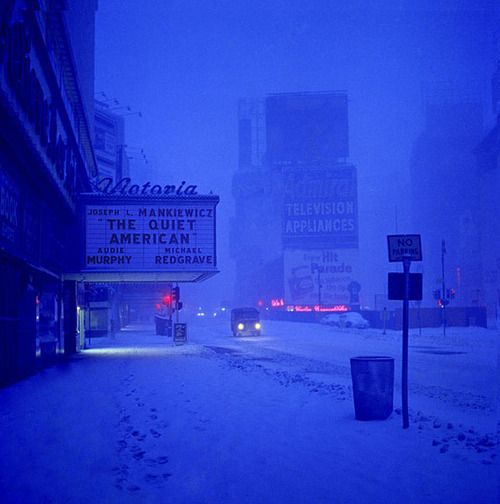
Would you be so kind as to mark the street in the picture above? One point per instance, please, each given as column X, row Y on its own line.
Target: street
column 135, row 418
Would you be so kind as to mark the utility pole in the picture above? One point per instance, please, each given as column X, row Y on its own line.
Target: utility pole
column 443, row 286
column 404, row 372
column 319, row 287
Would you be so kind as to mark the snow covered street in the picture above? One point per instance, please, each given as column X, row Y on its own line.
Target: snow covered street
column 265, row 420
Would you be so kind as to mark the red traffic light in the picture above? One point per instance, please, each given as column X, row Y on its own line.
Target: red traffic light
column 167, row 299
column 175, row 294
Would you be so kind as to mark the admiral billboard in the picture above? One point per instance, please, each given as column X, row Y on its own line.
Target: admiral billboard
column 320, row 208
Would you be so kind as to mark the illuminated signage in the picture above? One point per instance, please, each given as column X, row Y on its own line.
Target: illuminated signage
column 320, row 309
column 321, row 277
column 144, row 235
column 125, row 187
column 320, row 208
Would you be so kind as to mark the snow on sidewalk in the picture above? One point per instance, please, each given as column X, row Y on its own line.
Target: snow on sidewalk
column 137, row 419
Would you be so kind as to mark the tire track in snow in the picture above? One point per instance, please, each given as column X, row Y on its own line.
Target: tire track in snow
column 291, row 370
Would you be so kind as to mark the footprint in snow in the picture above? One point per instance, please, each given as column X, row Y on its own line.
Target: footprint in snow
column 139, row 455
column 121, row 470
column 152, row 478
column 157, row 461
column 139, row 436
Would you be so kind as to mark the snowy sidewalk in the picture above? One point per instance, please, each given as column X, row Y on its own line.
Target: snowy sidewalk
column 137, row 419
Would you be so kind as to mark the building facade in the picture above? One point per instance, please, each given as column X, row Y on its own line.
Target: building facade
column 295, row 233
column 445, row 196
column 46, row 159
column 488, row 169
column 109, row 145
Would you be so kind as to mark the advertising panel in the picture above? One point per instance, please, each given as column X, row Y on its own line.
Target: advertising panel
column 306, row 127
column 321, row 277
column 147, row 235
column 320, row 207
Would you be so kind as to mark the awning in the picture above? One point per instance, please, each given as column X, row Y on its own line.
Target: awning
column 140, row 276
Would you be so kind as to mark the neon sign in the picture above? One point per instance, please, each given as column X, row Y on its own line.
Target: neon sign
column 125, row 187
column 279, row 303
column 318, row 308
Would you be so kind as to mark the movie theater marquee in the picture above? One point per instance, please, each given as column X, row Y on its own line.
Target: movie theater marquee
column 146, row 239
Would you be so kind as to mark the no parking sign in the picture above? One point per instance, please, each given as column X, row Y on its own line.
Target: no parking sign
column 404, row 247
column 405, row 286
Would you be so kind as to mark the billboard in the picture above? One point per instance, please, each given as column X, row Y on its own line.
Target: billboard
column 149, row 235
column 321, row 277
column 320, row 208
column 306, row 127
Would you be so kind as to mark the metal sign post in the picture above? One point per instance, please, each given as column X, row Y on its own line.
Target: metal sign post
column 404, row 367
column 405, row 248
column 444, row 297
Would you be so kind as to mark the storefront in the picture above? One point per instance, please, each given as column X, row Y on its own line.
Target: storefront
column 34, row 250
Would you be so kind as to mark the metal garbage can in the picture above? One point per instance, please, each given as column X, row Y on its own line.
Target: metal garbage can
column 162, row 325
column 48, row 349
column 372, row 387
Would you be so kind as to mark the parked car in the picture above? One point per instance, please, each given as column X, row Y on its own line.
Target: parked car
column 346, row 319
column 245, row 322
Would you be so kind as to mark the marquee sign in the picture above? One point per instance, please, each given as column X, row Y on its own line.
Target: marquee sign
column 145, row 239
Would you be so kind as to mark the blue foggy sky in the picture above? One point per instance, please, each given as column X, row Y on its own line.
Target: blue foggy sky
column 185, row 64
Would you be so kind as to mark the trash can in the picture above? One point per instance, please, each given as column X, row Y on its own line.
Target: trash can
column 48, row 349
column 372, row 387
column 162, row 325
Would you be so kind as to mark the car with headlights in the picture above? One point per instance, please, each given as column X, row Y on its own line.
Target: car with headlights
column 245, row 322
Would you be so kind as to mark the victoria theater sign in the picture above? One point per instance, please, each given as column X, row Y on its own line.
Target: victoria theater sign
column 143, row 238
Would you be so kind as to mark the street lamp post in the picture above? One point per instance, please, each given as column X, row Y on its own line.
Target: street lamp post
column 443, row 286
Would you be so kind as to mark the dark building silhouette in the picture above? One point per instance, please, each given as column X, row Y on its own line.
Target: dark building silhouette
column 295, row 234
column 46, row 158
column 445, row 193
column 488, row 169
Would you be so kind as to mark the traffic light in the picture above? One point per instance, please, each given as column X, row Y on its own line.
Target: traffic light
column 176, row 303
column 175, row 294
column 167, row 300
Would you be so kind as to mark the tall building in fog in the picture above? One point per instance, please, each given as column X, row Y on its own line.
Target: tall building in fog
column 295, row 234
column 488, row 166
column 445, row 194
